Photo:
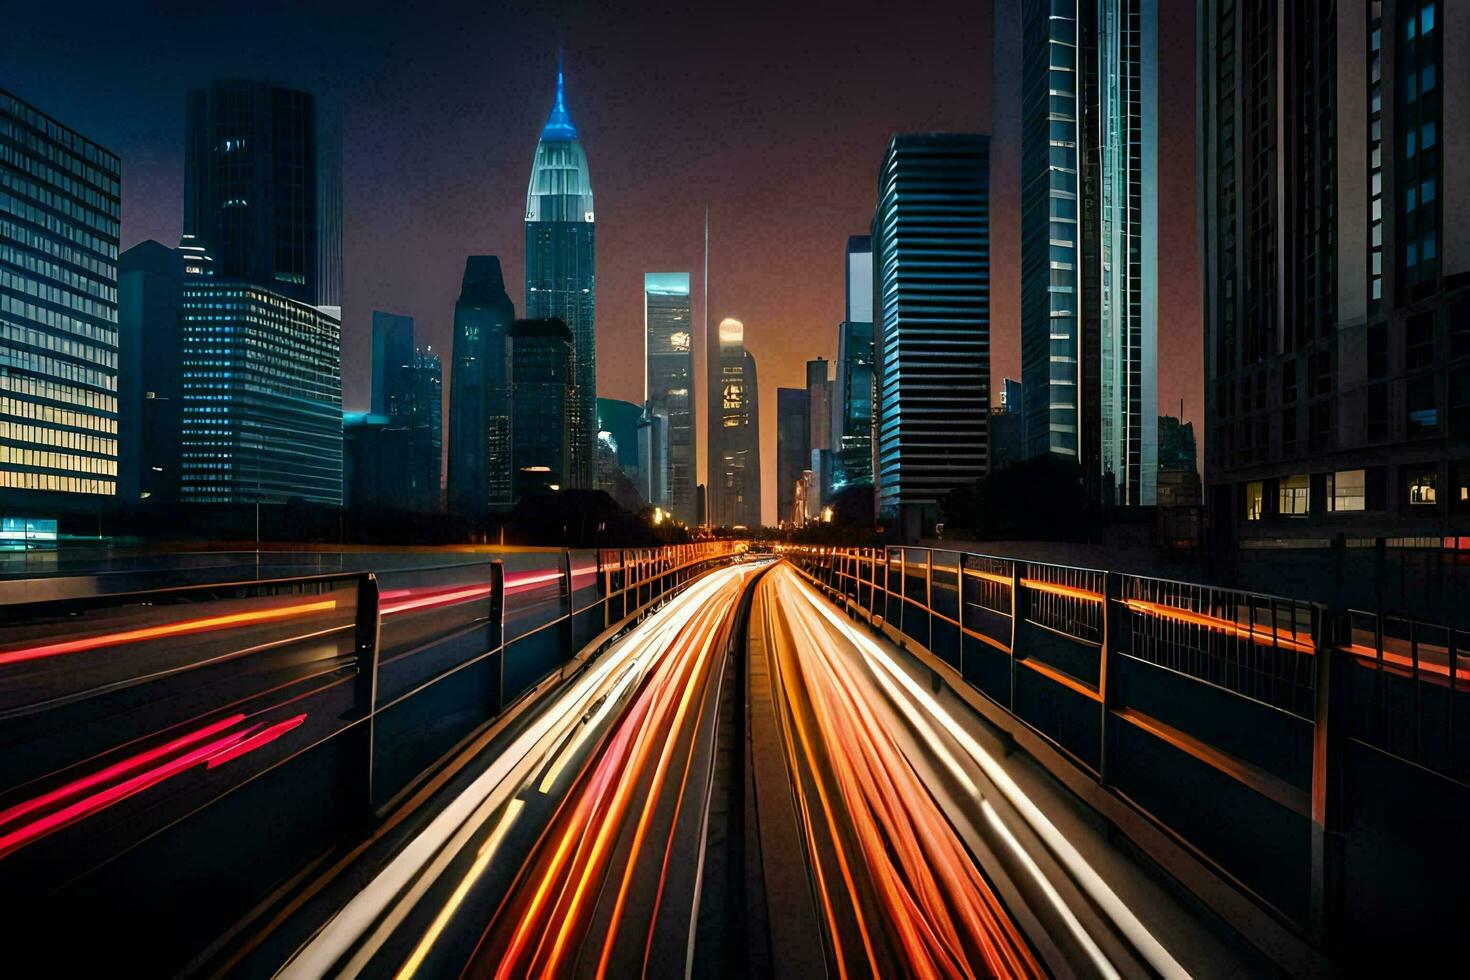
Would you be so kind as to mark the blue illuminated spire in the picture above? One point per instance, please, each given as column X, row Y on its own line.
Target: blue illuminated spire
column 559, row 125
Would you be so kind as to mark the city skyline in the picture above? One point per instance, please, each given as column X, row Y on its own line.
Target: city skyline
column 407, row 135
column 378, row 599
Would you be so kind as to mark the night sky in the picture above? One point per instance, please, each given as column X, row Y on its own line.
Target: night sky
column 774, row 115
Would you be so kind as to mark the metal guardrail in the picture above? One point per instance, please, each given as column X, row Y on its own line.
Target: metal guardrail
column 169, row 757
column 1263, row 733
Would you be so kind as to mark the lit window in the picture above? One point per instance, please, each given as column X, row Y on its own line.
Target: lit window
column 1421, row 488
column 1255, row 500
column 1347, row 490
column 1295, row 495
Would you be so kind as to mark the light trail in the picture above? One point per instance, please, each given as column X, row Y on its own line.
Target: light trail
column 941, row 916
column 166, row 630
column 918, row 703
column 365, row 923
column 635, row 765
column 169, row 760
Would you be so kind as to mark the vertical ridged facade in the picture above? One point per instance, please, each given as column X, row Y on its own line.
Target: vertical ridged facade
column 931, row 309
column 1089, row 230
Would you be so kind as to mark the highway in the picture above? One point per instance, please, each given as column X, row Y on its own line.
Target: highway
column 571, row 848
column 746, row 782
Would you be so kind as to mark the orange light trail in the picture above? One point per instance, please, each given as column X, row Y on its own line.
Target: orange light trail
column 634, row 765
column 939, row 910
column 181, row 628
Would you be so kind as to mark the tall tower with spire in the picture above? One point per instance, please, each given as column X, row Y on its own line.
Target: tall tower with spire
column 561, row 268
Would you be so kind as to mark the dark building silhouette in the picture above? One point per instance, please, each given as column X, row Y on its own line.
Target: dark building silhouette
column 393, row 359
column 479, row 394
column 931, row 298
column 406, row 390
column 59, row 193
column 262, row 190
column 561, row 279
column 540, row 404
column 381, row 461
column 1335, row 240
column 793, row 449
column 150, row 385
column 1008, row 427
column 1176, row 445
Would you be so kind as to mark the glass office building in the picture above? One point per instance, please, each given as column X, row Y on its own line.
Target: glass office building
column 793, row 448
column 479, row 392
column 852, row 407
column 262, row 190
column 668, row 344
column 735, row 461
column 931, row 290
column 262, row 396
column 1089, row 230
column 59, row 207
column 407, row 390
column 561, row 274
column 540, row 404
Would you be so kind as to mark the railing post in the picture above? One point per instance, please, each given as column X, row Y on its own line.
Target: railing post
column 903, row 587
column 929, row 602
column 570, row 631
column 365, row 634
column 1106, row 678
column 1017, row 607
column 497, row 624
column 959, row 598
column 1330, row 721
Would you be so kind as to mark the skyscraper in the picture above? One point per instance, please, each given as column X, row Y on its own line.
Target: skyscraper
column 931, row 297
column 150, row 391
column 1089, row 231
column 852, row 401
column 540, row 404
column 561, row 278
column 58, row 312
column 393, row 361
column 668, row 346
column 407, row 392
column 819, row 398
column 734, row 441
column 1335, row 239
column 793, row 448
column 819, row 436
column 479, row 406
column 262, row 190
column 261, row 418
